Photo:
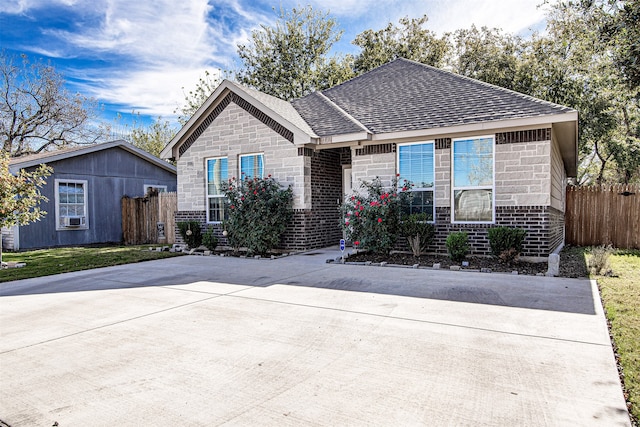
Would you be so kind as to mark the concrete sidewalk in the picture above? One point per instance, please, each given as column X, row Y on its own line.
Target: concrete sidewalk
column 296, row 341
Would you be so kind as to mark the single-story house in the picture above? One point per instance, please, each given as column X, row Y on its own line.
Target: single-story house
column 85, row 192
column 480, row 155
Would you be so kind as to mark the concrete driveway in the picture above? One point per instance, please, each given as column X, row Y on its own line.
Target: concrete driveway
column 297, row 341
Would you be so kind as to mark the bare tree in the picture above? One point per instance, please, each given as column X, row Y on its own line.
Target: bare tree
column 36, row 112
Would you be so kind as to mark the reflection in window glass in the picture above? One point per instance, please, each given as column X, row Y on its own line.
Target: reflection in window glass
column 416, row 165
column 473, row 180
column 217, row 173
column 252, row 166
column 473, row 205
column 473, row 162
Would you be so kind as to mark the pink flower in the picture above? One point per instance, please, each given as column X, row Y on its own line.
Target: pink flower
column 379, row 220
column 242, row 198
column 232, row 207
column 346, row 223
column 255, row 192
column 357, row 242
column 357, row 213
column 353, row 198
column 361, row 207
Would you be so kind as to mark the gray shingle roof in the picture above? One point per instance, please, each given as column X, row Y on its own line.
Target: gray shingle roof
column 323, row 116
column 281, row 107
column 405, row 95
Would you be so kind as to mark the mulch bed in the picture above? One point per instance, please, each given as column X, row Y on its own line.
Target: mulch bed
column 570, row 265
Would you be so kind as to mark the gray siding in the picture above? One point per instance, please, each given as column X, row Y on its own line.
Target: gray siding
column 110, row 175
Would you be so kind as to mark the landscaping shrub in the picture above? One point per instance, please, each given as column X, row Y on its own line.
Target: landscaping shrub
column 191, row 233
column 599, row 260
column 209, row 239
column 418, row 232
column 259, row 211
column 506, row 242
column 458, row 245
column 373, row 218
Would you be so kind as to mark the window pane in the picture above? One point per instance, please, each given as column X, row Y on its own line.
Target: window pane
column 473, row 162
column 216, row 174
column 218, row 209
column 473, row 205
column 421, row 202
column 252, row 166
column 415, row 164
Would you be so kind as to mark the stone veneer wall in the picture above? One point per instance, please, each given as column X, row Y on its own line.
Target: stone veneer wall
column 523, row 162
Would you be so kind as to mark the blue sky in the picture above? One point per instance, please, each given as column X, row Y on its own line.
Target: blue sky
column 139, row 54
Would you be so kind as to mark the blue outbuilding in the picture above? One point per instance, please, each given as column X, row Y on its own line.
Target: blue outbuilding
column 85, row 192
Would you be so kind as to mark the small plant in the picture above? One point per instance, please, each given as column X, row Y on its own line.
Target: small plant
column 506, row 242
column 209, row 239
column 458, row 245
column 418, row 232
column 191, row 233
column 599, row 260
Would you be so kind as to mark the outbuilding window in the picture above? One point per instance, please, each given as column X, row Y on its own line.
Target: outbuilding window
column 416, row 165
column 473, row 180
column 71, row 204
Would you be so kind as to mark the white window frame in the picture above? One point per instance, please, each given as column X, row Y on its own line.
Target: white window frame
column 491, row 187
column 85, row 185
column 431, row 189
column 160, row 188
column 206, row 186
column 250, row 155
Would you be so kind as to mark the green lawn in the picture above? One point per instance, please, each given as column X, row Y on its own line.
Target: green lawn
column 45, row 262
column 621, row 298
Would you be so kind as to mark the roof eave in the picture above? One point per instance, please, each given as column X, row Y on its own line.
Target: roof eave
column 526, row 122
column 15, row 167
column 300, row 137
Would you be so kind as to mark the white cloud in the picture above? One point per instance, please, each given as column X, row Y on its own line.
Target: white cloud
column 155, row 48
column 513, row 16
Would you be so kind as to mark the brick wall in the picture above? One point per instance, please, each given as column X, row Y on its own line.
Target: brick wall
column 319, row 226
column 183, row 216
column 544, row 225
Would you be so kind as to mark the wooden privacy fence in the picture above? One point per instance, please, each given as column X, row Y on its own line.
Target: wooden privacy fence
column 149, row 219
column 603, row 215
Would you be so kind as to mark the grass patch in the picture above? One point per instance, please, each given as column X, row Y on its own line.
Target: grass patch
column 45, row 262
column 620, row 293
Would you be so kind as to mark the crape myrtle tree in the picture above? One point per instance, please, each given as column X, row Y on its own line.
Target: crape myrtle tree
column 37, row 113
column 20, row 195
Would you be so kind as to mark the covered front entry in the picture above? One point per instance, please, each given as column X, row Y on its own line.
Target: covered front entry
column 319, row 226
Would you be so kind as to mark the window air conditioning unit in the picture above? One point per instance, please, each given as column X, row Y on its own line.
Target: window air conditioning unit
column 73, row 221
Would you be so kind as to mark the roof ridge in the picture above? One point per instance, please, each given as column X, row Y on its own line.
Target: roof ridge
column 343, row 112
